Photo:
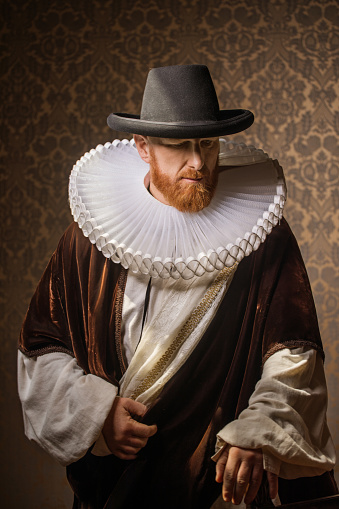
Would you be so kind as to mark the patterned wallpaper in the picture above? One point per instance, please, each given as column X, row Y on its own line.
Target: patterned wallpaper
column 66, row 65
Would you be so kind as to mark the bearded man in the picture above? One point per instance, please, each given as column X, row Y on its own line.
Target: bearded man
column 184, row 174
column 183, row 328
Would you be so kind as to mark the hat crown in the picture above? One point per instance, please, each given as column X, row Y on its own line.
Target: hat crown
column 179, row 93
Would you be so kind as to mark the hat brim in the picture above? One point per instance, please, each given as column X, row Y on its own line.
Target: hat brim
column 228, row 122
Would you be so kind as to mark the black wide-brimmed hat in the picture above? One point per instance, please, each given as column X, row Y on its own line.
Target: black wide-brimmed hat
column 180, row 102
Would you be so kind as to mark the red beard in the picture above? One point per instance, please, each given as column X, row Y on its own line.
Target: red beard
column 184, row 196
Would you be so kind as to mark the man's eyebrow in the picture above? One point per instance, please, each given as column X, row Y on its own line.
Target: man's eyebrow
column 169, row 141
column 175, row 140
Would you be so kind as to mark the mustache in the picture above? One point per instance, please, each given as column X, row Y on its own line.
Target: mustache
column 195, row 174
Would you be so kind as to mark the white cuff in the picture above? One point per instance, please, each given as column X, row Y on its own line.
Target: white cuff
column 64, row 410
column 286, row 416
column 100, row 447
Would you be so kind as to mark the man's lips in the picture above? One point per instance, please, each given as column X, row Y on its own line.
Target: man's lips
column 191, row 179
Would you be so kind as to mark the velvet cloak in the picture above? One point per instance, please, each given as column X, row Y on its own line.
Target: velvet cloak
column 269, row 305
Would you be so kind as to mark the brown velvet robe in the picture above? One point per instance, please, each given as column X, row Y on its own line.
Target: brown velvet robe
column 77, row 309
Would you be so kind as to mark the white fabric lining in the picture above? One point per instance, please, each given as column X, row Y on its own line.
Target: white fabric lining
column 172, row 303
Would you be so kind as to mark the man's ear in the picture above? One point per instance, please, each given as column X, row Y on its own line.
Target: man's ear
column 142, row 144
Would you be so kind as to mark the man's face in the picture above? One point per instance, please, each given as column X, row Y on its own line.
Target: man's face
column 183, row 172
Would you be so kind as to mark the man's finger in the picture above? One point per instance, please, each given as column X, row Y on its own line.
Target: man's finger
column 136, row 442
column 126, row 449
column 120, row 453
column 140, row 430
column 230, row 477
column 254, row 483
column 273, row 484
column 241, row 482
column 220, row 467
column 134, row 407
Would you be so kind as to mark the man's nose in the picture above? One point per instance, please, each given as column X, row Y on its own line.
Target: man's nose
column 195, row 159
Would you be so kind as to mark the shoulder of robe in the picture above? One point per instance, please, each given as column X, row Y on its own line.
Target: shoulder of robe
column 73, row 235
column 74, row 243
column 281, row 233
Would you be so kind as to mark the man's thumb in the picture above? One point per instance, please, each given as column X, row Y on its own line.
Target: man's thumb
column 135, row 407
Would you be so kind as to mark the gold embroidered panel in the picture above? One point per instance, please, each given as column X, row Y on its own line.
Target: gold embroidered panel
column 66, row 65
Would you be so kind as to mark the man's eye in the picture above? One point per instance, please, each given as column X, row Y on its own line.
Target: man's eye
column 207, row 143
column 178, row 145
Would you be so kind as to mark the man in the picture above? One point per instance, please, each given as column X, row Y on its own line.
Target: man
column 203, row 328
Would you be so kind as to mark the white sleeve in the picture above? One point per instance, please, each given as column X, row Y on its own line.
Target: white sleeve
column 64, row 410
column 286, row 417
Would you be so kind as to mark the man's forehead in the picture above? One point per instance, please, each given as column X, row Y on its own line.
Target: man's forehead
column 168, row 141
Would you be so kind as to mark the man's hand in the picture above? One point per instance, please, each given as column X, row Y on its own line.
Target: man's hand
column 241, row 471
column 123, row 434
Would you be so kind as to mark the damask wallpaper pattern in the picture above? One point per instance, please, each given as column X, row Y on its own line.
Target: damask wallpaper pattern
column 66, row 65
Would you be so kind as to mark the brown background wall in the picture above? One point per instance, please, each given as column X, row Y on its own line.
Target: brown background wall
column 66, row 65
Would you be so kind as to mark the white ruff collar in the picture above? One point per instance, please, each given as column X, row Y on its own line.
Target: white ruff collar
column 109, row 201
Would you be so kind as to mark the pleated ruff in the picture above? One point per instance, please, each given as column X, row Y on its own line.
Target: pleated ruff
column 111, row 205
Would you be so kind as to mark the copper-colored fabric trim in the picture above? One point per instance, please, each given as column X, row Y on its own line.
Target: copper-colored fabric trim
column 42, row 351
column 296, row 343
